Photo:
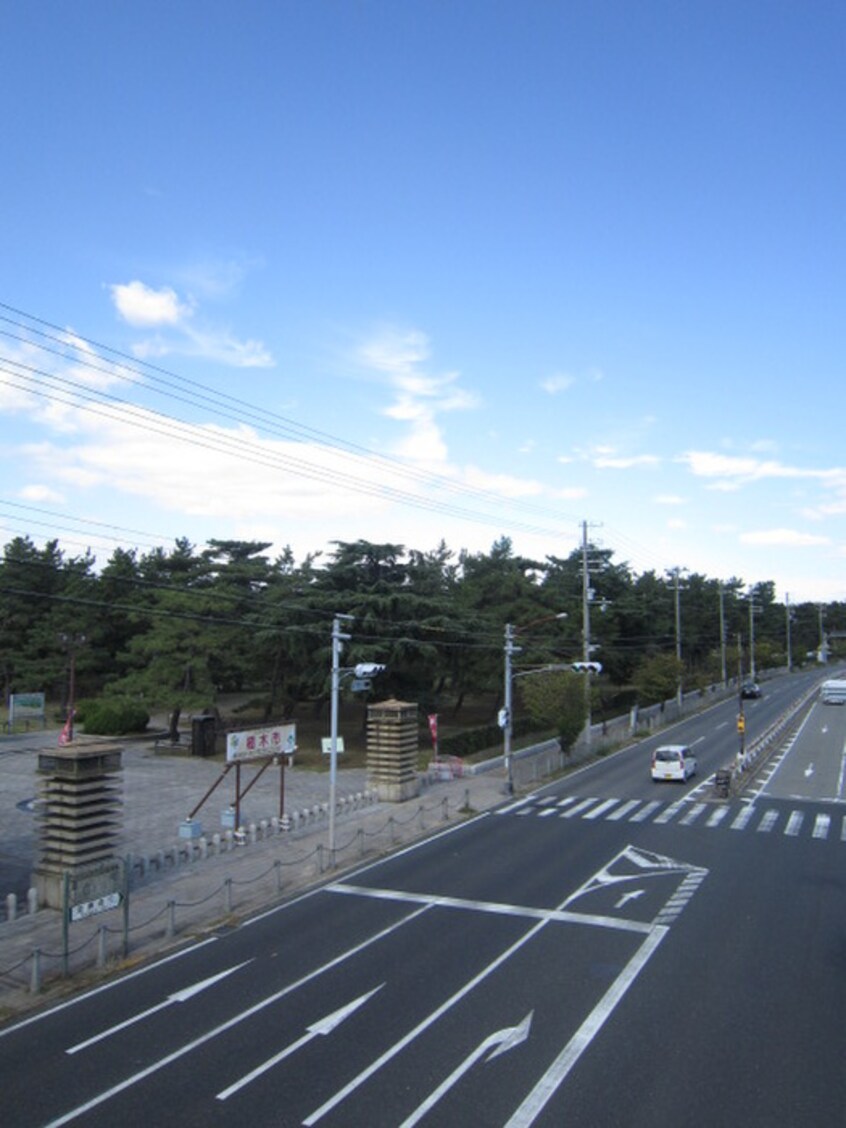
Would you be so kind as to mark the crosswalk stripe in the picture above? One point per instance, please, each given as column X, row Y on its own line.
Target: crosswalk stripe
column 622, row 811
column 601, row 808
column 822, row 823
column 743, row 818
column 685, row 812
column 717, row 816
column 579, row 807
column 669, row 814
column 794, row 823
column 693, row 814
column 645, row 812
column 767, row 822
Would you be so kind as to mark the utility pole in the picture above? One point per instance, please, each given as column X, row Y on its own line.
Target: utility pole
column 510, row 648
column 337, row 644
column 788, row 616
column 823, row 652
column 754, row 609
column 675, row 573
column 723, row 669
column 586, row 647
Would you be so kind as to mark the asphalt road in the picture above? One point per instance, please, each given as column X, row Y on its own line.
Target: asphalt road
column 607, row 951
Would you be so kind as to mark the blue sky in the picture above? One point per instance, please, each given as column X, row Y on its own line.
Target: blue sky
column 406, row 271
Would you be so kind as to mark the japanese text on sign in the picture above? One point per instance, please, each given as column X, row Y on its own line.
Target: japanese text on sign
column 253, row 744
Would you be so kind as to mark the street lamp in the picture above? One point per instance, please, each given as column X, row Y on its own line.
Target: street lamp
column 505, row 717
column 362, row 670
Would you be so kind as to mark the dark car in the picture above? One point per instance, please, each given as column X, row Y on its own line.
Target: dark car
column 750, row 689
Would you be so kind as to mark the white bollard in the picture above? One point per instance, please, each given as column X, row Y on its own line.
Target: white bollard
column 11, row 906
column 32, row 900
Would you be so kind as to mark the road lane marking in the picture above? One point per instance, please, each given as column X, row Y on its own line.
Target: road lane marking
column 422, row 1026
column 83, row 996
column 177, row 997
column 534, row 1103
column 644, row 860
column 496, row 908
column 499, row 1043
column 842, row 775
column 189, row 1047
column 321, row 1028
column 681, row 897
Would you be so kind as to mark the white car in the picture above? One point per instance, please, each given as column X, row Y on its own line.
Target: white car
column 673, row 761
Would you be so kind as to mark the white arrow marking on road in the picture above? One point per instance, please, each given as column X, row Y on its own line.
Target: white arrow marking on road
column 502, row 1041
column 629, row 897
column 323, row 1026
column 809, row 771
column 178, row 997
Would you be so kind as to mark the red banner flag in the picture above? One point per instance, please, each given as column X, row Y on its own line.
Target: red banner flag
column 66, row 735
column 433, row 729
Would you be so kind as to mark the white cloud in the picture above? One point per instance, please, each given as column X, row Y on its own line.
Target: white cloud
column 739, row 470
column 222, row 347
column 178, row 331
column 143, row 307
column 560, row 382
column 621, row 462
column 569, row 493
column 398, row 357
column 668, row 499
column 783, row 538
column 41, row 493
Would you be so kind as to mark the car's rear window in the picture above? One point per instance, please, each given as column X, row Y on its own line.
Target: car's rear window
column 668, row 754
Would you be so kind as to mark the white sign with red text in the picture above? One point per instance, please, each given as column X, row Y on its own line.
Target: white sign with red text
column 255, row 744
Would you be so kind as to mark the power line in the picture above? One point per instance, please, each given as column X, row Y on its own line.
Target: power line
column 198, row 395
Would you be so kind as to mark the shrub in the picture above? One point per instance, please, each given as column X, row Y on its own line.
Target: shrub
column 113, row 718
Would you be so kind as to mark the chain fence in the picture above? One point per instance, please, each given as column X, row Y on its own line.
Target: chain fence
column 148, row 925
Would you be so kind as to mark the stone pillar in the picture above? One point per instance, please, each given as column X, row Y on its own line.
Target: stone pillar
column 80, row 822
column 392, row 750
